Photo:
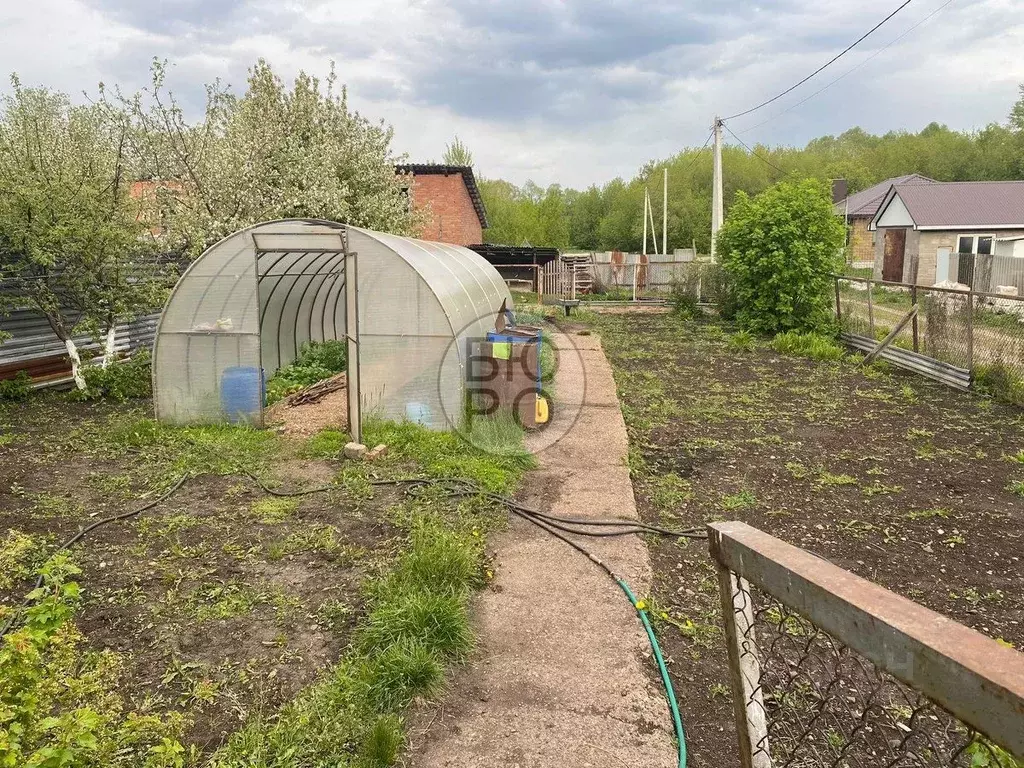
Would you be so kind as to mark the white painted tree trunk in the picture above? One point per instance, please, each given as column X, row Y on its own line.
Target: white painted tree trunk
column 108, row 346
column 76, row 363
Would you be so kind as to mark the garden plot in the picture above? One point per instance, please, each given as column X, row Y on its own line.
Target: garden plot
column 202, row 616
column 903, row 481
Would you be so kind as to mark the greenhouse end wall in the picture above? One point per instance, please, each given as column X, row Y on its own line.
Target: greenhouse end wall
column 251, row 301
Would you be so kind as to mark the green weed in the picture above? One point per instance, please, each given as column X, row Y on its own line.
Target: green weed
column 20, row 555
column 829, row 480
column 743, row 500
column 741, row 341
column 812, row 345
column 796, row 469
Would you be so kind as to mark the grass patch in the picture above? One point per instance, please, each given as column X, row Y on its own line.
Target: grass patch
column 418, row 624
column 495, row 459
column 273, row 509
column 1016, row 488
column 1000, row 381
column 812, row 345
column 325, row 444
column 165, row 452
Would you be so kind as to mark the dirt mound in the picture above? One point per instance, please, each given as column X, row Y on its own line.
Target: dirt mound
column 323, row 405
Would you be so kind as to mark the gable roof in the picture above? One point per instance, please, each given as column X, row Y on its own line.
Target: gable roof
column 435, row 169
column 961, row 204
column 864, row 204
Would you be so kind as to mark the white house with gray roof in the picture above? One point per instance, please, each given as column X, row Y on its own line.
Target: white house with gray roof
column 969, row 232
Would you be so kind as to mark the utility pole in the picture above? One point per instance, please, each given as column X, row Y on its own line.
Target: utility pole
column 664, row 215
column 646, row 202
column 717, row 206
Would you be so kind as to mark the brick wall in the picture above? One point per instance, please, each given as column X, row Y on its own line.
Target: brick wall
column 451, row 216
column 862, row 242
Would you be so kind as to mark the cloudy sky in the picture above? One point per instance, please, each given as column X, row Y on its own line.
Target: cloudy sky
column 569, row 91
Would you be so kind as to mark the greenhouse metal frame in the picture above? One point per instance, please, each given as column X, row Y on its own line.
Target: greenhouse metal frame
column 406, row 308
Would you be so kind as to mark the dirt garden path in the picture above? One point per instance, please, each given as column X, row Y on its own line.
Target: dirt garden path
column 562, row 674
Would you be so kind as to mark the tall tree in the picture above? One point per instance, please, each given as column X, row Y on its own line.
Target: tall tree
column 73, row 246
column 274, row 152
column 457, row 153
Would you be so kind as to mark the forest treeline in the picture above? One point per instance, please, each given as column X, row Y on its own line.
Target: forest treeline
column 609, row 217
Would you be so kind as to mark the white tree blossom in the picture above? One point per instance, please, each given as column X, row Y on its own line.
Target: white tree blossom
column 272, row 153
column 71, row 237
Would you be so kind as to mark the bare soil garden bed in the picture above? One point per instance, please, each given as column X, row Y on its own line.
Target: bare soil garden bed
column 903, row 481
column 222, row 601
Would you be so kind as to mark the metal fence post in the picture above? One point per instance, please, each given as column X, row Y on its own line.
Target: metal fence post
column 744, row 669
column 636, row 268
column 839, row 308
column 871, row 312
column 970, row 330
column 913, row 300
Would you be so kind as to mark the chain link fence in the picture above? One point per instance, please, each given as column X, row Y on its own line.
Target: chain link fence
column 824, row 704
column 982, row 333
column 878, row 688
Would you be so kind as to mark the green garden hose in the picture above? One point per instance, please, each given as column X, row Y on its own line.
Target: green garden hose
column 670, row 694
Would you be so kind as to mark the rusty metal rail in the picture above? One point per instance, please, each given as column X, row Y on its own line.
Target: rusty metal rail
column 829, row 669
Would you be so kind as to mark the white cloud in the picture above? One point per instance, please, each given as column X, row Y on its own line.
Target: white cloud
column 574, row 91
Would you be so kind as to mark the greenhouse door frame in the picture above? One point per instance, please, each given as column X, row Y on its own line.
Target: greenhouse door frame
column 277, row 243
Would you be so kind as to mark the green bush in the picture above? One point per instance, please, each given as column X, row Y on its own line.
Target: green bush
column 780, row 250
column 813, row 345
column 121, row 380
column 18, row 388
column 317, row 360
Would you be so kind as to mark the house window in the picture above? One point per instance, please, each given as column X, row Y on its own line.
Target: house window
column 980, row 245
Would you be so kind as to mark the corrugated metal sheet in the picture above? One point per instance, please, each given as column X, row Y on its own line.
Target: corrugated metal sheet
column 35, row 348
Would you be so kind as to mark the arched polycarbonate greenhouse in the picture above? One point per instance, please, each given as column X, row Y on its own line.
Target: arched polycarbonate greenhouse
column 407, row 309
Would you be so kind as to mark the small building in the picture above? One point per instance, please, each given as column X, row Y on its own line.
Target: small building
column 860, row 208
column 451, row 200
column 962, row 231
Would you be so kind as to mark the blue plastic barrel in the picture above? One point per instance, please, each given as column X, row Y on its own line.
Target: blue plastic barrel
column 242, row 389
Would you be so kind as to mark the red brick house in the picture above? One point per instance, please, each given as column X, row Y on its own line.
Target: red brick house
column 449, row 194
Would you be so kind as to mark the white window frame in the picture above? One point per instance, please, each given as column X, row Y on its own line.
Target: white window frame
column 974, row 244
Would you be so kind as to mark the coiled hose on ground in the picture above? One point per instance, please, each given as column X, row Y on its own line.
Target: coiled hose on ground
column 463, row 488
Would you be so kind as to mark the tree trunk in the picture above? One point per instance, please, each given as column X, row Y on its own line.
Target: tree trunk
column 108, row 345
column 76, row 363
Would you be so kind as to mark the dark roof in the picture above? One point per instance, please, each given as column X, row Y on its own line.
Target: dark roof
column 423, row 169
column 864, row 204
column 963, row 204
column 500, row 255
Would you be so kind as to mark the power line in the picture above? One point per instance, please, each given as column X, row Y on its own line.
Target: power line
column 696, row 157
column 823, row 66
column 764, row 160
column 851, row 70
